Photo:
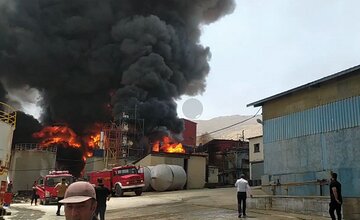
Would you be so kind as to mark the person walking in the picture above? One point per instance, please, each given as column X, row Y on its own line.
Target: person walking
column 335, row 197
column 34, row 195
column 9, row 187
column 80, row 201
column 60, row 190
column 102, row 195
column 243, row 189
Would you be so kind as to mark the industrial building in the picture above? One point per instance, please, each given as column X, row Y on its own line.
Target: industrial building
column 230, row 157
column 256, row 160
column 310, row 131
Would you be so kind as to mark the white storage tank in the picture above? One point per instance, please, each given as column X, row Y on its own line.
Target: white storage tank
column 147, row 178
column 167, row 177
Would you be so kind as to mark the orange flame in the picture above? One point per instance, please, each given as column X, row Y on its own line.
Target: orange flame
column 92, row 135
column 57, row 135
column 94, row 141
column 167, row 146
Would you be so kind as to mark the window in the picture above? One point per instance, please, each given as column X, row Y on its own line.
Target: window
column 126, row 171
column 256, row 148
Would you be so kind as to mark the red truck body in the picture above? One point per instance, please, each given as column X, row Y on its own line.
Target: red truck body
column 120, row 179
column 46, row 185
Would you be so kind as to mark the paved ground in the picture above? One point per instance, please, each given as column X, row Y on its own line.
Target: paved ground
column 185, row 204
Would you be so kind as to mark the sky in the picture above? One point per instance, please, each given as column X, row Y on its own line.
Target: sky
column 267, row 47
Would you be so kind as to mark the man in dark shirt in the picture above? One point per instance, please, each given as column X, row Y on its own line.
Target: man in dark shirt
column 335, row 197
column 102, row 195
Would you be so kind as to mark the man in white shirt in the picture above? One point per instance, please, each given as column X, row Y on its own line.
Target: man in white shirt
column 243, row 189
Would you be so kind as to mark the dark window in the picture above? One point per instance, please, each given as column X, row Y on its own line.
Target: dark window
column 256, row 148
column 122, row 172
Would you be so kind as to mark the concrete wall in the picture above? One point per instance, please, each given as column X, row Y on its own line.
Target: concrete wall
column 312, row 157
column 311, row 97
column 311, row 205
column 94, row 164
column 304, row 205
column 213, row 175
column 28, row 165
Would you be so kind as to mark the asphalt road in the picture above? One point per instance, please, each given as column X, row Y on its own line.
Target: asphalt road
column 184, row 204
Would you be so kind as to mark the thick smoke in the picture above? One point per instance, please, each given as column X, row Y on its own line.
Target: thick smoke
column 26, row 125
column 3, row 93
column 92, row 59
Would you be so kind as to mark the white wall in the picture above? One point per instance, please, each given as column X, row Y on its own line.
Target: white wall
column 6, row 135
column 28, row 165
column 259, row 156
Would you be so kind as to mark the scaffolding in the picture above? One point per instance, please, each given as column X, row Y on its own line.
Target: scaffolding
column 120, row 139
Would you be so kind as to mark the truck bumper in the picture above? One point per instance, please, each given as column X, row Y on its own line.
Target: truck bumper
column 133, row 186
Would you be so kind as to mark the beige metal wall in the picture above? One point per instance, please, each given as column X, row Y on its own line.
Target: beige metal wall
column 311, row 97
column 196, row 172
column 28, row 165
column 153, row 160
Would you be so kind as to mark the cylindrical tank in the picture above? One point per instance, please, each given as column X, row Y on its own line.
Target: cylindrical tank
column 147, row 178
column 167, row 177
column 179, row 175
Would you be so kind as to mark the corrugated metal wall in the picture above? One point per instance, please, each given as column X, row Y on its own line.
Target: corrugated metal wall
column 334, row 116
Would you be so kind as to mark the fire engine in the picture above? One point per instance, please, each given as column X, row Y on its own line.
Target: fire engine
column 46, row 185
column 120, row 179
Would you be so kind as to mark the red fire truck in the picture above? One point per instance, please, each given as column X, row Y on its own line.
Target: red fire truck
column 120, row 179
column 46, row 185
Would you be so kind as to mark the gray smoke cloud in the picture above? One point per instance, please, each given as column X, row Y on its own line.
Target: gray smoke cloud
column 90, row 59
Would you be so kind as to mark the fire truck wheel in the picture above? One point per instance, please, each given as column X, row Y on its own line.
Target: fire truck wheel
column 118, row 191
column 138, row 192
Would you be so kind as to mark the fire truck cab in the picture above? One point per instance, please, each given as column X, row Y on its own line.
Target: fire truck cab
column 120, row 179
column 46, row 185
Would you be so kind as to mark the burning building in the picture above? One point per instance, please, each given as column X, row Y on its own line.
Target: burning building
column 83, row 62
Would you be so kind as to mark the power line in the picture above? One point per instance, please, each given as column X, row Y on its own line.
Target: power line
column 236, row 123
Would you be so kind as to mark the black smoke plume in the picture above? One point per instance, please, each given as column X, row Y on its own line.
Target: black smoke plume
column 78, row 52
column 92, row 59
column 26, row 125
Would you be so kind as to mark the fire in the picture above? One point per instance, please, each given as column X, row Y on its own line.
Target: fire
column 89, row 154
column 166, row 145
column 92, row 135
column 57, row 135
column 94, row 140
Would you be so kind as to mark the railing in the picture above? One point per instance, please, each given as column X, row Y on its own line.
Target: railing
column 33, row 147
column 7, row 114
column 276, row 187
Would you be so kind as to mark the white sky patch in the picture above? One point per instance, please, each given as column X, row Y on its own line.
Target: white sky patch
column 267, row 47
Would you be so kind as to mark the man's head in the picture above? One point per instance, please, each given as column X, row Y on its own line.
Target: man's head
column 334, row 176
column 242, row 176
column 63, row 180
column 100, row 181
column 79, row 201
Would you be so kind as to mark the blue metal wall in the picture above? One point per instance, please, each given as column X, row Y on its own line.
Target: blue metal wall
column 334, row 116
column 306, row 146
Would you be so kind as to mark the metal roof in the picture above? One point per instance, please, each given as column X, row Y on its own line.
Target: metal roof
column 308, row 85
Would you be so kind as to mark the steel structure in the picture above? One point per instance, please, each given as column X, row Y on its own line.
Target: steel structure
column 121, row 137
